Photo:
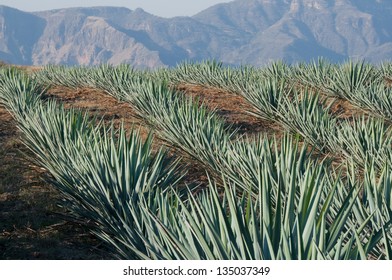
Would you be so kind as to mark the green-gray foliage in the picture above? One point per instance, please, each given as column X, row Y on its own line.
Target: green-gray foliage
column 266, row 199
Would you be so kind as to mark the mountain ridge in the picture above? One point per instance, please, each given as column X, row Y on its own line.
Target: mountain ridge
column 239, row 32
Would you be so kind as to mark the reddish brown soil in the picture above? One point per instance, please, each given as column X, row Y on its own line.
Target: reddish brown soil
column 345, row 110
column 232, row 108
column 32, row 226
column 97, row 103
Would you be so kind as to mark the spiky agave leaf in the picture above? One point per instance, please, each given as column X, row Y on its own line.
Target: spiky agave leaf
column 18, row 92
column 213, row 227
column 375, row 98
column 305, row 114
column 266, row 98
column 352, row 76
column 317, row 75
column 103, row 176
column 365, row 139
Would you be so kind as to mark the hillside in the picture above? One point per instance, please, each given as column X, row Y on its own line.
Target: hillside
column 239, row 32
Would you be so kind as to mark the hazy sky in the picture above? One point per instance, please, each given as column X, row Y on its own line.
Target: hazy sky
column 165, row 8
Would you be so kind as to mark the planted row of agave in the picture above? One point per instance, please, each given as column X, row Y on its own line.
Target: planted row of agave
column 362, row 139
column 361, row 84
column 272, row 99
column 361, row 142
column 271, row 91
column 103, row 178
column 273, row 178
column 335, row 80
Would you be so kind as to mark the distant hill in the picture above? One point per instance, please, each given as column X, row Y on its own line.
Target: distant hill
column 239, row 32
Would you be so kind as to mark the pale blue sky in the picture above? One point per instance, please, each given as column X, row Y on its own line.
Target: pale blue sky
column 165, row 8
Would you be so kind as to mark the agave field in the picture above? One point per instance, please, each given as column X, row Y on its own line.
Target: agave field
column 316, row 185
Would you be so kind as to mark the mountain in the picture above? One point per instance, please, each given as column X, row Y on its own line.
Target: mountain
column 19, row 32
column 239, row 32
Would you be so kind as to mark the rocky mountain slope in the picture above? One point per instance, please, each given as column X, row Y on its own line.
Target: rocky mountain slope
column 239, row 32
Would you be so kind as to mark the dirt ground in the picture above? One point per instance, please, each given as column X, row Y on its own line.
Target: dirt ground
column 32, row 225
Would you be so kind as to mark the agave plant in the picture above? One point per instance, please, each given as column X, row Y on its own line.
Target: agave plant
column 183, row 123
column 305, row 114
column 214, row 74
column 73, row 77
column 386, row 70
column 292, row 216
column 317, row 76
column 374, row 205
column 365, row 139
column 266, row 98
column 116, row 80
column 376, row 99
column 205, row 73
column 18, row 92
column 277, row 70
column 325, row 227
column 101, row 172
column 352, row 76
